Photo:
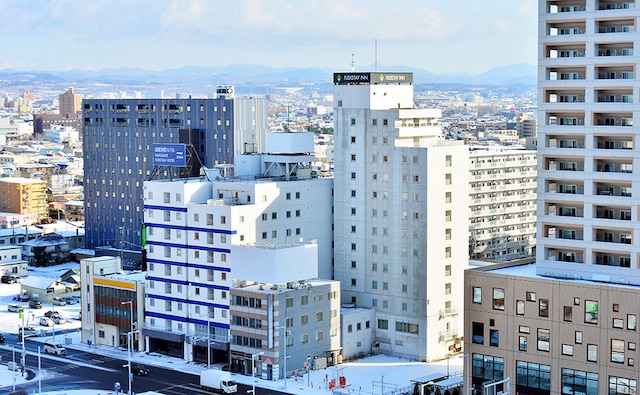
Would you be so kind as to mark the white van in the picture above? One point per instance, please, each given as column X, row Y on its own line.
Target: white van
column 55, row 348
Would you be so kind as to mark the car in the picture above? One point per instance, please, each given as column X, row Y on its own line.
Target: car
column 58, row 302
column 71, row 299
column 28, row 332
column 44, row 321
column 21, row 298
column 1, row 338
column 52, row 313
column 35, row 304
column 58, row 320
column 14, row 308
column 139, row 369
column 55, row 348
column 9, row 279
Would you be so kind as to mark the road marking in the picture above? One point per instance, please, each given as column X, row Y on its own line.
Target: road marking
column 191, row 388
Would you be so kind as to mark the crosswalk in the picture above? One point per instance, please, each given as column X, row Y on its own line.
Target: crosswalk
column 183, row 390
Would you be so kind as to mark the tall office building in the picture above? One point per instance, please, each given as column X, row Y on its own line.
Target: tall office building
column 568, row 324
column 118, row 152
column 69, row 103
column 399, row 187
column 587, row 209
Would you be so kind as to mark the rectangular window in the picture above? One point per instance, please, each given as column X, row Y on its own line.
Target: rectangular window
column 578, row 337
column 567, row 349
column 618, row 323
column 544, row 337
column 543, row 307
column 383, row 324
column 522, row 343
column 617, row 351
column 477, row 295
column 567, row 313
column 631, row 322
column 494, row 336
column 531, row 296
column 498, row 299
column 590, row 312
column 592, row 353
column 478, row 332
column 520, row 307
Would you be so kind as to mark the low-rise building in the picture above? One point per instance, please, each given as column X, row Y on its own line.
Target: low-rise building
column 48, row 250
column 11, row 262
column 358, row 333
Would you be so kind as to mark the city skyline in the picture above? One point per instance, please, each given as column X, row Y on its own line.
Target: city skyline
column 466, row 36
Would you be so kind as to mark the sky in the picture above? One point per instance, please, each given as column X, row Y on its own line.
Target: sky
column 467, row 36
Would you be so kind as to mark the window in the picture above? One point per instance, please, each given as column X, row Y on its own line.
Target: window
column 383, row 324
column 304, row 319
column 532, row 378
column 304, row 300
column 520, row 307
column 477, row 295
column 576, row 382
column 522, row 343
column 478, row 332
column 567, row 313
column 631, row 322
column 618, row 323
column 621, row 385
column 319, row 316
column 531, row 296
column 498, row 299
column 543, row 307
column 592, row 352
column 578, row 337
column 590, row 312
column 494, row 337
column 319, row 336
column 617, row 351
column 289, row 302
column 567, row 349
column 544, row 336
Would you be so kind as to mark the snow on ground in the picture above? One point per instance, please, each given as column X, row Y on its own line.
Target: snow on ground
column 364, row 377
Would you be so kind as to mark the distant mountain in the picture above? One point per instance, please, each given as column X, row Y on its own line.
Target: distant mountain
column 253, row 75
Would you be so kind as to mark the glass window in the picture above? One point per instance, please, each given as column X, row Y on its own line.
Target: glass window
column 478, row 332
column 621, row 385
column 590, row 312
column 520, row 307
column 578, row 337
column 617, row 351
column 576, row 382
column 544, row 336
column 567, row 313
column 567, row 349
column 532, row 375
column 494, row 337
column 592, row 352
column 498, row 299
column 543, row 307
column 522, row 343
column 618, row 323
column 477, row 295
column 631, row 322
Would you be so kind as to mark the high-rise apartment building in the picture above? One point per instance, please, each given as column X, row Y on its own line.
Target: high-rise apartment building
column 568, row 324
column 69, row 103
column 588, row 211
column 502, row 223
column 119, row 135
column 399, row 187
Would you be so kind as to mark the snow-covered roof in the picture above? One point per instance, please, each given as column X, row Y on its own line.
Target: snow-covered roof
column 38, row 282
column 46, row 240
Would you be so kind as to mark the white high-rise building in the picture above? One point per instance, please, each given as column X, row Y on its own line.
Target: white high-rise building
column 266, row 219
column 588, row 95
column 401, row 214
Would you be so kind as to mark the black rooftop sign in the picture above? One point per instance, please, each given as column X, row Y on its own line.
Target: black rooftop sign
column 371, row 78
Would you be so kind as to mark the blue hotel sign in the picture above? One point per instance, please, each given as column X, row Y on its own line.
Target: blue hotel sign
column 170, row 155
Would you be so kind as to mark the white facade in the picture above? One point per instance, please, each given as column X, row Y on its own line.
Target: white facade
column 502, row 203
column 358, row 333
column 588, row 185
column 11, row 262
column 398, row 223
column 200, row 232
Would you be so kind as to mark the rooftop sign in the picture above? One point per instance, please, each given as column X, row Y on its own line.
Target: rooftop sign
column 371, row 78
column 170, row 155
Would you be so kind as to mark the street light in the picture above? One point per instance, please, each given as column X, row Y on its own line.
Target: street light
column 253, row 371
column 130, row 303
column 284, row 342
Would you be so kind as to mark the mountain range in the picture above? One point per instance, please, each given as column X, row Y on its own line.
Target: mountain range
column 252, row 75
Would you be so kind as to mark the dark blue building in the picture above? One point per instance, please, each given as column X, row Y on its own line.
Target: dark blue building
column 118, row 138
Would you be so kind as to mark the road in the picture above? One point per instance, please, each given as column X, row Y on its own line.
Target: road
column 82, row 370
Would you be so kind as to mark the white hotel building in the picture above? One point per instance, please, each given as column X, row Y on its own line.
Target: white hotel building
column 401, row 215
column 200, row 233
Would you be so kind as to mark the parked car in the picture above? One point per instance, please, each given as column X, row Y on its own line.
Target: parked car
column 55, row 348
column 35, row 304
column 71, row 299
column 14, row 308
column 57, row 320
column 139, row 369
column 9, row 279
column 58, row 302
column 28, row 332
column 52, row 313
column 44, row 321
column 21, row 298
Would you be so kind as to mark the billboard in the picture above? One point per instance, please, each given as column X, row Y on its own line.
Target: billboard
column 371, row 78
column 165, row 154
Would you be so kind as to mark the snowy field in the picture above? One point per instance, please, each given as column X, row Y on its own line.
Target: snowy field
column 364, row 377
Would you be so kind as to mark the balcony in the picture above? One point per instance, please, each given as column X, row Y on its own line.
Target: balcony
column 603, row 189
column 613, row 167
column 615, row 73
column 607, row 236
column 612, row 143
column 615, row 51
column 565, row 256
column 577, row 6
column 615, row 5
column 612, row 260
column 608, row 212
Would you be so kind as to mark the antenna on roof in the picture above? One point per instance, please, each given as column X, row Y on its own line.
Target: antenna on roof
column 376, row 54
column 353, row 62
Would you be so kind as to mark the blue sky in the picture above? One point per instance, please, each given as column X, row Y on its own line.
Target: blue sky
column 469, row 36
